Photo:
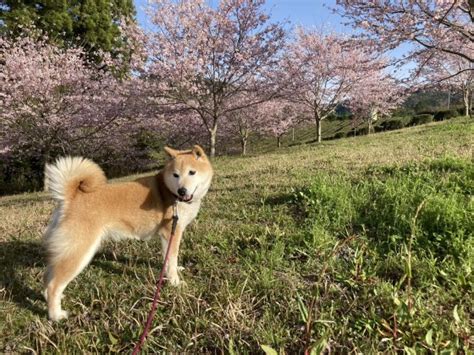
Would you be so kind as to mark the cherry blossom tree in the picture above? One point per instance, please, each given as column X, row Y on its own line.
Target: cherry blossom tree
column 376, row 94
column 431, row 26
column 204, row 58
column 279, row 116
column 53, row 102
column 322, row 69
column 241, row 123
column 452, row 73
column 270, row 118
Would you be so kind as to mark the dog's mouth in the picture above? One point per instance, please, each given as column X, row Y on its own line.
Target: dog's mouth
column 186, row 198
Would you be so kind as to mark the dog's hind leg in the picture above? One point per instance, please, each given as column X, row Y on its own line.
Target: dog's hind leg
column 65, row 265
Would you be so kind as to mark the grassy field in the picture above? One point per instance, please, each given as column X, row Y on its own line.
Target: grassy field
column 354, row 245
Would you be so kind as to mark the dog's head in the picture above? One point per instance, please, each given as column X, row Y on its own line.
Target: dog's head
column 188, row 173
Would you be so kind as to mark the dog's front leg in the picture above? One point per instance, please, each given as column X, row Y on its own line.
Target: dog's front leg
column 172, row 267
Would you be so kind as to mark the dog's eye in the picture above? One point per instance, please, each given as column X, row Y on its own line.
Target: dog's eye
column 176, row 175
column 192, row 172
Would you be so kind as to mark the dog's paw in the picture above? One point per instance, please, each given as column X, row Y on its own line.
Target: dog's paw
column 57, row 316
column 178, row 283
column 174, row 280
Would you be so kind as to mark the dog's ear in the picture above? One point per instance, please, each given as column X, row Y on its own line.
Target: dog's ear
column 198, row 152
column 171, row 152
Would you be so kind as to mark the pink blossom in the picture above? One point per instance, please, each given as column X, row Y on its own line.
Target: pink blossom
column 430, row 26
column 53, row 102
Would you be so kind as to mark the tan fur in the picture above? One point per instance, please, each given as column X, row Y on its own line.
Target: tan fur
column 90, row 210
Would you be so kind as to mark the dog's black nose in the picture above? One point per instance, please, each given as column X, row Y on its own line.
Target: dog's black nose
column 182, row 191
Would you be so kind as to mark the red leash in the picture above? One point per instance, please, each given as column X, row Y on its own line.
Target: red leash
column 152, row 312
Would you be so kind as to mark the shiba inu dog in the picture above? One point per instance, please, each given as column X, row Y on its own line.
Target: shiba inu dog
column 91, row 210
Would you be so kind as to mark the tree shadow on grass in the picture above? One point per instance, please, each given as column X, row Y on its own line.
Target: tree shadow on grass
column 17, row 261
column 107, row 261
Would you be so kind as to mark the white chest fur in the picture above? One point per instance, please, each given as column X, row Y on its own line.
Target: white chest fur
column 187, row 212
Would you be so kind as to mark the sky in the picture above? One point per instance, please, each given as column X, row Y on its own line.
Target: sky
column 298, row 12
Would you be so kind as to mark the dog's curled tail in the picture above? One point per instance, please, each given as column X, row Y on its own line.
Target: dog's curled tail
column 68, row 175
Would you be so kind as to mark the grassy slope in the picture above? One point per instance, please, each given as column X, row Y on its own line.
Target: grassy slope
column 303, row 134
column 250, row 278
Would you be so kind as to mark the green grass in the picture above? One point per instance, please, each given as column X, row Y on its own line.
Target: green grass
column 353, row 245
column 392, row 240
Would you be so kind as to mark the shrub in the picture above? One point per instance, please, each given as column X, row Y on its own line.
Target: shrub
column 21, row 169
column 18, row 175
column 421, row 119
column 392, row 124
column 462, row 111
column 426, row 112
column 362, row 131
column 445, row 115
column 339, row 135
column 403, row 111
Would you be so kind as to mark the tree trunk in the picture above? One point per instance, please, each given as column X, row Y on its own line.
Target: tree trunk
column 467, row 104
column 212, row 140
column 318, row 129
column 317, row 118
column 279, row 141
column 373, row 116
column 243, row 144
column 244, row 137
column 470, row 101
